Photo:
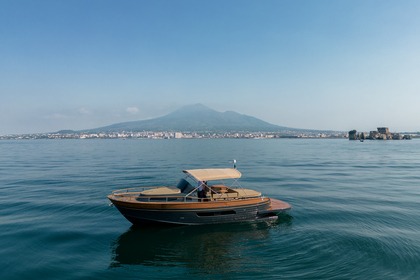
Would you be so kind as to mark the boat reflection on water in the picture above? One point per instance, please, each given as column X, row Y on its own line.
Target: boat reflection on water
column 206, row 248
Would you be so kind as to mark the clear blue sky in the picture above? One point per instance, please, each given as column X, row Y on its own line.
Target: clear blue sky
column 337, row 65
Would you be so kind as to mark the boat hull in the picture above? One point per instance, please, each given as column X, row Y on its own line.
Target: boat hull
column 198, row 213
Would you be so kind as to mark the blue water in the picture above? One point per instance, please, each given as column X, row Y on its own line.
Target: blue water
column 356, row 210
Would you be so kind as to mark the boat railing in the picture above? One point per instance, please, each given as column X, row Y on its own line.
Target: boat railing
column 136, row 194
column 217, row 192
column 170, row 199
column 131, row 191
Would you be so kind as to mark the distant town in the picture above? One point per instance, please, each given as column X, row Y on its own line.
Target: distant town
column 353, row 135
column 173, row 135
column 201, row 122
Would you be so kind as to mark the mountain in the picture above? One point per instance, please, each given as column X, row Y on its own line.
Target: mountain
column 197, row 118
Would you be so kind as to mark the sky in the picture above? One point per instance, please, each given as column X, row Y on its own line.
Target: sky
column 314, row 64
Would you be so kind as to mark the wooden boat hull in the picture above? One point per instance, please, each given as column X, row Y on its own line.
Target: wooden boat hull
column 199, row 213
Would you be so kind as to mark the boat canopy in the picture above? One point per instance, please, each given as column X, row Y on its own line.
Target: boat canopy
column 212, row 174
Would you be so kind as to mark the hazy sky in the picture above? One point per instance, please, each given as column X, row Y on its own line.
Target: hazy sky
column 312, row 64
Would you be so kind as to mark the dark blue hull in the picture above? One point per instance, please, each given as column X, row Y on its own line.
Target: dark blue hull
column 196, row 216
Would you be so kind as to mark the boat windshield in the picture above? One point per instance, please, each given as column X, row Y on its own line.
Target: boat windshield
column 185, row 186
column 209, row 181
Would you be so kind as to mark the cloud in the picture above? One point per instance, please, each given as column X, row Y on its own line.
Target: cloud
column 69, row 114
column 57, row 116
column 132, row 110
column 85, row 111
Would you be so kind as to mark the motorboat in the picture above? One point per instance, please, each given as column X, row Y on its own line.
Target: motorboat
column 203, row 196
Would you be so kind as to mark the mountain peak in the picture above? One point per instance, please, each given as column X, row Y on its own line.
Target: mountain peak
column 196, row 106
column 198, row 118
column 191, row 109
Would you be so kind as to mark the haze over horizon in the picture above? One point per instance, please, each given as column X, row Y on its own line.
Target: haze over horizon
column 324, row 65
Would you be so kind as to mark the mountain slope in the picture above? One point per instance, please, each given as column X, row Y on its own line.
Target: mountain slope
column 197, row 118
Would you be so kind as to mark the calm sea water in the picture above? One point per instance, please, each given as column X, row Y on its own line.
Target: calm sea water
column 356, row 210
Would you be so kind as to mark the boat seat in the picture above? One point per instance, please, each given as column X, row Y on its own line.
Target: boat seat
column 247, row 193
column 220, row 188
column 224, row 195
column 162, row 191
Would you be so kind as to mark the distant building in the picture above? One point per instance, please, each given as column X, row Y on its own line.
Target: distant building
column 353, row 134
column 383, row 130
column 381, row 134
column 397, row 136
column 373, row 134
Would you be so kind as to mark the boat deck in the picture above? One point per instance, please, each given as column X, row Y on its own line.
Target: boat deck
column 278, row 205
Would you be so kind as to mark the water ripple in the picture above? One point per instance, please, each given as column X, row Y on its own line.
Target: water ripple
column 355, row 211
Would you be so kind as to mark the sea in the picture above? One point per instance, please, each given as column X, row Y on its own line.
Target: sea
column 355, row 215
